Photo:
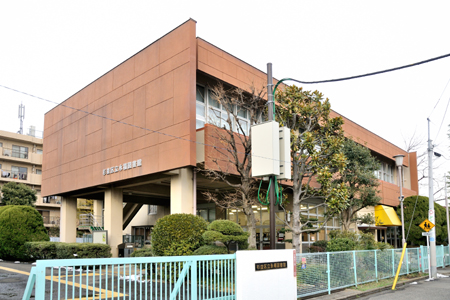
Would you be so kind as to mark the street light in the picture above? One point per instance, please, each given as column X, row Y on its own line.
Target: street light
column 399, row 164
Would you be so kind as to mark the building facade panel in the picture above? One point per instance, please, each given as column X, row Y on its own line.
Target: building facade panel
column 155, row 84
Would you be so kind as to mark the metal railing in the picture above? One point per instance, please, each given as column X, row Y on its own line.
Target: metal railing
column 51, row 200
column 175, row 277
column 138, row 240
column 15, row 153
column 89, row 220
column 14, row 175
column 324, row 272
column 51, row 220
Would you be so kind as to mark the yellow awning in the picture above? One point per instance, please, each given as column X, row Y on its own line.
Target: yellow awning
column 386, row 216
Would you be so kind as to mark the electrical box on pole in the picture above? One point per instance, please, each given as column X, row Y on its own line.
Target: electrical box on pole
column 265, row 149
column 271, row 150
column 285, row 153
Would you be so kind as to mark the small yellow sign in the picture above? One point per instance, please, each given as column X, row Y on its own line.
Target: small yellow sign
column 426, row 225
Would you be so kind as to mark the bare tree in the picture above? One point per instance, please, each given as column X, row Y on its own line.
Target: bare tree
column 232, row 157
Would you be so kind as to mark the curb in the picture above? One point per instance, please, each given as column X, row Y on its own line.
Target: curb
column 363, row 294
column 380, row 289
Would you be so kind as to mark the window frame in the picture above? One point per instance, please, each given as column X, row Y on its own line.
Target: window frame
column 19, row 173
column 220, row 113
column 19, row 153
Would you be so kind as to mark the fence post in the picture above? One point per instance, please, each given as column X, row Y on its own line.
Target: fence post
column 354, row 268
column 407, row 261
column 329, row 273
column 40, row 282
column 194, row 280
column 376, row 266
column 422, row 255
column 418, row 259
column 393, row 262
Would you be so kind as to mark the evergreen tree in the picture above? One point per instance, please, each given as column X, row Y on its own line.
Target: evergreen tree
column 18, row 194
column 360, row 180
column 420, row 214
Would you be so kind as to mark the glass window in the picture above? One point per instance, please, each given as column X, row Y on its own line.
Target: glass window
column 200, row 94
column 19, row 152
column 213, row 112
column 19, row 172
column 199, row 124
column 200, row 108
column 38, row 171
column 39, row 151
column 214, row 116
column 209, row 214
column 212, row 100
column 152, row 209
column 1, row 144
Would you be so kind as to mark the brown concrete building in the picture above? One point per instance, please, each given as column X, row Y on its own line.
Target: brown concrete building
column 21, row 162
column 135, row 135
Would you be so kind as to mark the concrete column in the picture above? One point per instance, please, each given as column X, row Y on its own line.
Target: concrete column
column 68, row 223
column 98, row 210
column 181, row 192
column 113, row 218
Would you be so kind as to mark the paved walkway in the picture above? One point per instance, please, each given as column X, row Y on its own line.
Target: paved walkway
column 354, row 294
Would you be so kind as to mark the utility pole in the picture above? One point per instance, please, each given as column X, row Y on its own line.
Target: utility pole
column 272, row 181
column 446, row 209
column 399, row 163
column 431, row 213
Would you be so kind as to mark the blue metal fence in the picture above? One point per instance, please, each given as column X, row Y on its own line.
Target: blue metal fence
column 178, row 277
column 324, row 272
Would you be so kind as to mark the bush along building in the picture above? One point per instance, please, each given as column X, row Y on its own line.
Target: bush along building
column 21, row 162
column 140, row 139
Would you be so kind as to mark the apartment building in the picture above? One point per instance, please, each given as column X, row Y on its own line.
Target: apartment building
column 133, row 139
column 21, row 161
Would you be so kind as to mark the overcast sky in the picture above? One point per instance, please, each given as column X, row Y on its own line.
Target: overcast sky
column 52, row 49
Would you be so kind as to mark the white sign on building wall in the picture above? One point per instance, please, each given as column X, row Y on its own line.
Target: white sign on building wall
column 123, row 167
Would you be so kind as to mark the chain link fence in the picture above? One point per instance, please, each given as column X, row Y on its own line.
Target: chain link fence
column 324, row 272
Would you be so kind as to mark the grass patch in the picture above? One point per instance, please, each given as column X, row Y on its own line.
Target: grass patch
column 385, row 282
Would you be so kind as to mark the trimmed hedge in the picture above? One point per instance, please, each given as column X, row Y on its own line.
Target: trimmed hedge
column 227, row 232
column 56, row 250
column 19, row 224
column 145, row 252
column 178, row 234
column 211, row 249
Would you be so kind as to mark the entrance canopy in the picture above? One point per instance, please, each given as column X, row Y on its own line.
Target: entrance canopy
column 386, row 216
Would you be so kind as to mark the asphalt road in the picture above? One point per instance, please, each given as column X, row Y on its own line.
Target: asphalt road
column 13, row 283
column 437, row 289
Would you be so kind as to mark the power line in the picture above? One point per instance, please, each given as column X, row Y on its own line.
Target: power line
column 125, row 123
column 369, row 74
column 443, row 118
column 439, row 98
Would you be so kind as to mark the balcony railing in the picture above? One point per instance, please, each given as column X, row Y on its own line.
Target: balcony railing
column 51, row 200
column 14, row 153
column 51, row 220
column 13, row 175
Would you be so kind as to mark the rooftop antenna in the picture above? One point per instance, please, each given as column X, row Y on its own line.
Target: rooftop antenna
column 21, row 117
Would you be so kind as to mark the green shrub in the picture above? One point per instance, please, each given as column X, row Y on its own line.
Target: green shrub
column 319, row 246
column 18, row 225
column 341, row 244
column 210, row 249
column 145, row 252
column 384, row 246
column 178, row 234
column 226, row 232
column 53, row 250
column 41, row 250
